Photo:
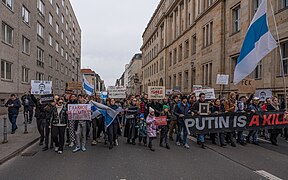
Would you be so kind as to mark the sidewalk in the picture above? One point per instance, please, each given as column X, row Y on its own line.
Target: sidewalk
column 19, row 141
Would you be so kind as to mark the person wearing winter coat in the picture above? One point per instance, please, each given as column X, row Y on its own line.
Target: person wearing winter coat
column 254, row 108
column 132, row 116
column 71, row 123
column 274, row 106
column 58, row 125
column 151, row 127
column 142, row 130
column 113, row 128
column 29, row 101
column 13, row 105
column 165, row 129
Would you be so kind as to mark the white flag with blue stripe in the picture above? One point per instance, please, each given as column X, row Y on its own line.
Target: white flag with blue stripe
column 88, row 88
column 257, row 44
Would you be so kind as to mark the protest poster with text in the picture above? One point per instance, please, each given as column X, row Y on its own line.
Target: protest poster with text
column 209, row 93
column 160, row 121
column 41, row 87
column 79, row 112
column 156, row 92
column 117, row 92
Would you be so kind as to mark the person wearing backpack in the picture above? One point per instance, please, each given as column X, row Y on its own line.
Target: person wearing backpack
column 29, row 101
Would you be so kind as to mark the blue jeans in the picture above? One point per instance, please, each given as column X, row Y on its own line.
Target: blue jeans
column 12, row 118
column 185, row 133
column 200, row 138
column 254, row 134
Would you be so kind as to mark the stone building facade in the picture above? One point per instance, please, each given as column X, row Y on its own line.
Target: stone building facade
column 134, row 73
column 40, row 40
column 189, row 42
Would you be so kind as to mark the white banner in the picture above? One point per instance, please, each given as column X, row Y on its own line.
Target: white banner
column 41, row 87
column 156, row 92
column 117, row 92
column 222, row 79
column 209, row 93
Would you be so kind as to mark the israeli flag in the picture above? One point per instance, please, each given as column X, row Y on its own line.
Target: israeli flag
column 108, row 113
column 88, row 88
column 257, row 44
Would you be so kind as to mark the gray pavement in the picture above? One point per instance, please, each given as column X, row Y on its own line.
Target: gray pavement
column 137, row 162
column 16, row 142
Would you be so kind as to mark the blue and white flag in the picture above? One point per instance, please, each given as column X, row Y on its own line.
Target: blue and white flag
column 88, row 88
column 257, row 44
column 108, row 113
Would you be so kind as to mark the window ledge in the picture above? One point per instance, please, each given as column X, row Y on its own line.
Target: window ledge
column 8, row 44
column 10, row 9
column 282, row 9
column 26, row 53
column 27, row 24
column 7, row 80
column 25, row 83
column 234, row 33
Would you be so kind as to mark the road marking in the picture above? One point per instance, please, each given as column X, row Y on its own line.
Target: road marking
column 267, row 175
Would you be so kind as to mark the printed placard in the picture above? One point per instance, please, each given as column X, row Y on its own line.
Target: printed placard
column 209, row 93
column 79, row 112
column 46, row 99
column 160, row 121
column 156, row 92
column 41, row 87
column 222, row 79
column 117, row 92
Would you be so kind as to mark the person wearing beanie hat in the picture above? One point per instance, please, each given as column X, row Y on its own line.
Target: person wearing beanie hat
column 151, row 127
column 132, row 115
column 165, row 129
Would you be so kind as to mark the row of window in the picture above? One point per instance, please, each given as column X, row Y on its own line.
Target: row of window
column 154, row 68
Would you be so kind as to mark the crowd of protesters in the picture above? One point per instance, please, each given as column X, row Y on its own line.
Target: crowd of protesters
column 137, row 121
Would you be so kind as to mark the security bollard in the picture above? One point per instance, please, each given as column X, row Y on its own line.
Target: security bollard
column 5, row 139
column 26, row 122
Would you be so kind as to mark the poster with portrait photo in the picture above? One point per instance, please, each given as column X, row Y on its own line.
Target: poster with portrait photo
column 204, row 108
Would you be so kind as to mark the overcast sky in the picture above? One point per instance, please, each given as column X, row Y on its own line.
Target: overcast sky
column 111, row 33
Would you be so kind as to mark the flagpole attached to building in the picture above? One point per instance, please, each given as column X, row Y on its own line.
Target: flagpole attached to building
column 281, row 56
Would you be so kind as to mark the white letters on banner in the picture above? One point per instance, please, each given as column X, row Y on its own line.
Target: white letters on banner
column 79, row 112
column 41, row 87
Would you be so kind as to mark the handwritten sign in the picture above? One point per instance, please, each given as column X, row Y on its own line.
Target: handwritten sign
column 116, row 92
column 79, row 112
column 222, row 79
column 75, row 86
column 209, row 93
column 156, row 92
column 160, row 121
column 247, row 86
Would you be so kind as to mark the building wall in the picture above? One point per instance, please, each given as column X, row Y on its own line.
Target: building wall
column 13, row 53
column 134, row 74
column 173, row 28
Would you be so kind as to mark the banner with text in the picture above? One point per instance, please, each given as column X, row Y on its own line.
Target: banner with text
column 116, row 92
column 79, row 112
column 156, row 92
column 41, row 87
column 230, row 122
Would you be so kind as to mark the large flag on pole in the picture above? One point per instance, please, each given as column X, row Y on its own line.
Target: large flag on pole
column 257, row 44
column 88, row 88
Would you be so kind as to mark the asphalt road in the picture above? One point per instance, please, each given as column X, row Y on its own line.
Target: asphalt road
column 138, row 162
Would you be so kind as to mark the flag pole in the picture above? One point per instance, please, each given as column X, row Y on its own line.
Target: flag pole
column 281, row 56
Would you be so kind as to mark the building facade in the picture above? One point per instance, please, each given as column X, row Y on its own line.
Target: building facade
column 189, row 42
column 40, row 40
column 134, row 73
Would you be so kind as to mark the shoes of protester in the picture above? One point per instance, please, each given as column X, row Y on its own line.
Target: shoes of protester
column 161, row 145
column 274, row 143
column 171, row 139
column 60, row 152
column 213, row 142
column 83, row 149
column 71, row 144
column 51, row 146
column 76, row 149
column 243, row 143
column 233, row 144
column 56, row 149
column 98, row 140
column 94, row 143
column 152, row 149
column 116, row 143
column 186, row 146
column 40, row 143
column 13, row 132
column 133, row 143
column 110, row 146
column 128, row 141
column 223, row 145
column 203, row 146
column 178, row 144
column 45, row 148
column 167, row 146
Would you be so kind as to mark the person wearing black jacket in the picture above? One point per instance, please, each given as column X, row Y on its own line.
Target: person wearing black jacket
column 40, row 119
column 13, row 105
column 29, row 101
column 132, row 116
column 274, row 106
column 218, row 108
column 113, row 127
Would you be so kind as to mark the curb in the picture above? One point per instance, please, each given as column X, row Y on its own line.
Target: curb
column 18, row 151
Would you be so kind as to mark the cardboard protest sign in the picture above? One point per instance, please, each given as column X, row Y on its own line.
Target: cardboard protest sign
column 79, row 112
column 196, row 87
column 160, row 121
column 116, row 92
column 75, row 86
column 247, row 86
column 209, row 93
column 156, row 92
column 46, row 99
column 222, row 79
column 263, row 94
column 41, row 87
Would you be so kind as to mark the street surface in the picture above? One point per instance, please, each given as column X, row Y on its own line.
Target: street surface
column 138, row 162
